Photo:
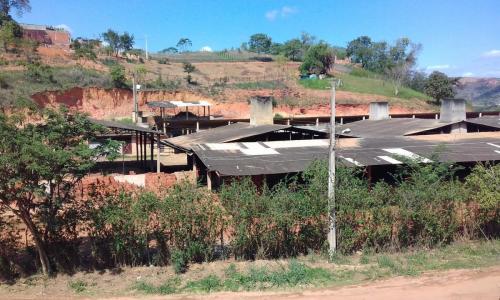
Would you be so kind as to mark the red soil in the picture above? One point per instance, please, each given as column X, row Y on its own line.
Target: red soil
column 116, row 103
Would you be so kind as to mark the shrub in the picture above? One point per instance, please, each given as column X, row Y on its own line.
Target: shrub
column 117, row 74
column 37, row 72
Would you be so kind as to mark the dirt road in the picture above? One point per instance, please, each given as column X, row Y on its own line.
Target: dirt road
column 456, row 284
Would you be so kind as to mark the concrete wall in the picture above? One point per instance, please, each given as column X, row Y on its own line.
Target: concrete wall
column 261, row 111
column 379, row 111
column 452, row 110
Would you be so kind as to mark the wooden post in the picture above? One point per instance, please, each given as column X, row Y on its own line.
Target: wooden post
column 152, row 141
column 140, row 143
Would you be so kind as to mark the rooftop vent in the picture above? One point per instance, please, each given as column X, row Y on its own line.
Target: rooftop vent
column 261, row 110
column 379, row 110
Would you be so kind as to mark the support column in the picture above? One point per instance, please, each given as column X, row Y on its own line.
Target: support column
column 151, row 137
column 137, row 146
column 140, row 146
column 158, row 162
column 145, row 149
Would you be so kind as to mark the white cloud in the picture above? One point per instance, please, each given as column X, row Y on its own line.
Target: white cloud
column 467, row 74
column 492, row 53
column 206, row 49
column 272, row 14
column 283, row 12
column 65, row 27
column 438, row 67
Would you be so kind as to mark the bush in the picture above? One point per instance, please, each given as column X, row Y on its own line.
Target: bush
column 117, row 74
column 40, row 73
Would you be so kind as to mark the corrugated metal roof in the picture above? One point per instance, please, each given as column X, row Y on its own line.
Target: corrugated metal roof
column 235, row 159
column 178, row 104
column 222, row 134
column 392, row 127
column 118, row 125
column 490, row 121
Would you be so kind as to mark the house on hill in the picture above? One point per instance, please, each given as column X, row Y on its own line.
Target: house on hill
column 47, row 35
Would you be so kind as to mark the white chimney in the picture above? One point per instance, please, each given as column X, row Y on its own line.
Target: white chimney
column 261, row 110
column 379, row 110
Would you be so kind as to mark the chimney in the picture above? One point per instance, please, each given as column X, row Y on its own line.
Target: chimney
column 453, row 110
column 261, row 110
column 379, row 110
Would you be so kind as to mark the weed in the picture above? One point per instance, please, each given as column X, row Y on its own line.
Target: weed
column 211, row 283
column 171, row 286
column 78, row 286
column 316, row 84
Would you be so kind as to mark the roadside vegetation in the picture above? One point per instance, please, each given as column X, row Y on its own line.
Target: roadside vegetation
column 424, row 206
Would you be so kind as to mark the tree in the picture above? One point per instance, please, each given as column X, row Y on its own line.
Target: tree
column 189, row 68
column 259, row 43
column 126, row 41
column 84, row 50
column 401, row 58
column 113, row 39
column 170, row 50
column 293, row 49
column 21, row 6
column 307, row 40
column 184, row 44
column 10, row 33
column 40, row 165
column 416, row 80
column 360, row 50
column 439, row 86
column 318, row 59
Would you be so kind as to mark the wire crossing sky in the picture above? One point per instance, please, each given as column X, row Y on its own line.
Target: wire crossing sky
column 459, row 37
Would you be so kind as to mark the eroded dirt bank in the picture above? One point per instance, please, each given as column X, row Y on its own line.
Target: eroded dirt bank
column 117, row 103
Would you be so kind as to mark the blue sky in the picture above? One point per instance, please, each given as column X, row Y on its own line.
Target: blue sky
column 461, row 37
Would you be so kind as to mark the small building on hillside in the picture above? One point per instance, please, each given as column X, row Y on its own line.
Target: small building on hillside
column 48, row 36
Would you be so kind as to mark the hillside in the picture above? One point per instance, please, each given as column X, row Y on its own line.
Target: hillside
column 482, row 92
column 227, row 82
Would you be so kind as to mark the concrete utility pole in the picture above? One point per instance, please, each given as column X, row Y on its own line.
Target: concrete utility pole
column 332, row 236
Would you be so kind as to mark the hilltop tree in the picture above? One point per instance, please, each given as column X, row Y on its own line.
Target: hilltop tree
column 260, row 43
column 400, row 59
column 126, row 41
column 40, row 165
column 318, row 59
column 360, row 50
column 184, row 44
column 113, row 39
column 21, row 6
column 118, row 42
column 293, row 49
column 439, row 86
column 171, row 50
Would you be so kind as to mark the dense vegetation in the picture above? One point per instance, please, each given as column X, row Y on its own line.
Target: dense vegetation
column 424, row 206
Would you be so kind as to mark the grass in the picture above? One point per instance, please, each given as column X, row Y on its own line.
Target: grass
column 259, row 85
column 371, row 85
column 78, row 286
column 316, row 271
column 316, row 84
column 19, row 86
column 364, row 82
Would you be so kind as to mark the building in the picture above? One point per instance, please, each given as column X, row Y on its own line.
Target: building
column 47, row 35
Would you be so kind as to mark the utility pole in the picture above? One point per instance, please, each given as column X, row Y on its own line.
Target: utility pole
column 332, row 235
column 134, row 92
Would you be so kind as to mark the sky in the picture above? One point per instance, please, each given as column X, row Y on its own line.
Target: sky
column 458, row 37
